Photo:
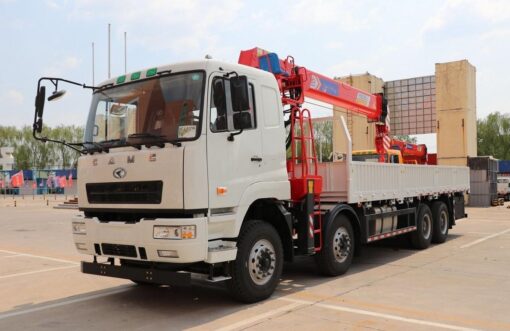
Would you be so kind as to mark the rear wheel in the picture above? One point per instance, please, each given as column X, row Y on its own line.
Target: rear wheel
column 441, row 222
column 258, row 266
column 421, row 238
column 336, row 255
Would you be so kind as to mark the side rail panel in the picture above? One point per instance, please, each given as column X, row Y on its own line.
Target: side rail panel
column 380, row 181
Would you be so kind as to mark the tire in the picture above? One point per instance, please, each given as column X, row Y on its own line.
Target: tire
column 338, row 248
column 441, row 222
column 421, row 238
column 257, row 268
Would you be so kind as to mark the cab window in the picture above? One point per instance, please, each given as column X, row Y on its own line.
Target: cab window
column 221, row 113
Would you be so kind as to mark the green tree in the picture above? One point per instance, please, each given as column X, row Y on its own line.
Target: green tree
column 323, row 134
column 30, row 153
column 66, row 157
column 494, row 135
column 406, row 138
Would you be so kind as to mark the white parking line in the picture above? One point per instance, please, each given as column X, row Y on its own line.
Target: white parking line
column 381, row 315
column 39, row 257
column 476, row 242
column 13, row 255
column 259, row 317
column 63, row 303
column 36, row 271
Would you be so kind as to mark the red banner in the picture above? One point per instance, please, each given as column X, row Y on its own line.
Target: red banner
column 17, row 179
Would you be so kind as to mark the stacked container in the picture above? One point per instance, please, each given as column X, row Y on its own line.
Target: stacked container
column 412, row 104
column 483, row 180
column 504, row 167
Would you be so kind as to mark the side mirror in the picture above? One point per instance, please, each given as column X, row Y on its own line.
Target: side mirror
column 39, row 101
column 39, row 108
column 219, row 97
column 56, row 95
column 239, row 92
column 242, row 120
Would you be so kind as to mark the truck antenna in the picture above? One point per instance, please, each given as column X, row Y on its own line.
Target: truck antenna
column 109, row 71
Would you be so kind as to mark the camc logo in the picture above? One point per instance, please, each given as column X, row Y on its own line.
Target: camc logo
column 119, row 173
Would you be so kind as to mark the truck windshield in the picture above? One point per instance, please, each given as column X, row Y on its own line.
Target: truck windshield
column 168, row 108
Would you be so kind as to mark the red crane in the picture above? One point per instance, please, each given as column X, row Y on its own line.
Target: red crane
column 296, row 83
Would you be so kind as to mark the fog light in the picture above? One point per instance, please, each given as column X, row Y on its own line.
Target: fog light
column 81, row 246
column 168, row 253
column 79, row 228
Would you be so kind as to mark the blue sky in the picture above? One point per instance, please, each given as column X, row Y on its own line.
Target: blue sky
column 391, row 39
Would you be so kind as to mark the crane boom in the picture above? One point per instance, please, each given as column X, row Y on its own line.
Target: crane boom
column 296, row 82
column 315, row 85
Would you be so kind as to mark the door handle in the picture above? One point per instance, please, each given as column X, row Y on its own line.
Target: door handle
column 256, row 159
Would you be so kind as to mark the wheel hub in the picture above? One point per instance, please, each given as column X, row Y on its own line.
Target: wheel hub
column 341, row 245
column 426, row 226
column 443, row 222
column 262, row 262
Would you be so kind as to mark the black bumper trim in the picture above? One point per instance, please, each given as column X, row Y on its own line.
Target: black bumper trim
column 161, row 277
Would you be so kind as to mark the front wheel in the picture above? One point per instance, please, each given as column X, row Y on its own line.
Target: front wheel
column 258, row 266
column 336, row 255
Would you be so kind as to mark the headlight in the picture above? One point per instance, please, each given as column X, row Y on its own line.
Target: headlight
column 79, row 228
column 174, row 232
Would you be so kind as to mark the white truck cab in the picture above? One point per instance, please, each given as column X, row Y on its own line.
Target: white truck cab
column 177, row 202
column 504, row 187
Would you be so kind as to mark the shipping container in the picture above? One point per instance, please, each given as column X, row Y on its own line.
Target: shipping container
column 483, row 163
column 478, row 200
column 504, row 166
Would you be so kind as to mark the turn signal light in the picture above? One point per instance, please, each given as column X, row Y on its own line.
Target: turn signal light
column 221, row 190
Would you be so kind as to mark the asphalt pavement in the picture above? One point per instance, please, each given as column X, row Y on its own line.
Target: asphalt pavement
column 463, row 284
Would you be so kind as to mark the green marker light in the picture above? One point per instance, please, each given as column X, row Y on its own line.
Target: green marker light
column 121, row 79
column 151, row 72
column 135, row 75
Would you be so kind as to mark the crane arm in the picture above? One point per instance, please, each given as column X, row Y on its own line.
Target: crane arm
column 315, row 85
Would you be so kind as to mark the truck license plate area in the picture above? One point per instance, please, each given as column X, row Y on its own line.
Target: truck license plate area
column 119, row 250
column 162, row 277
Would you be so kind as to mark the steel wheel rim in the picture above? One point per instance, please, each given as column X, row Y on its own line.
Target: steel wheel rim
column 426, row 226
column 262, row 262
column 443, row 222
column 341, row 245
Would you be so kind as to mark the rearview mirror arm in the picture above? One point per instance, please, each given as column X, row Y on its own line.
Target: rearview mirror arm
column 55, row 80
column 36, row 124
column 63, row 142
column 233, row 134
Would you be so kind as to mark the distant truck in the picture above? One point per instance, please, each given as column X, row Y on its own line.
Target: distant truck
column 504, row 188
column 370, row 155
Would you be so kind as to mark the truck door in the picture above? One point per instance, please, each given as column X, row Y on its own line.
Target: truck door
column 236, row 162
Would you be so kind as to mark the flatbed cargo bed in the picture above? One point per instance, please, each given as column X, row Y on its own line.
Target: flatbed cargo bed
column 354, row 181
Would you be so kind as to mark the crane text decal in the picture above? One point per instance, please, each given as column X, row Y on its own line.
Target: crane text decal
column 324, row 85
column 363, row 99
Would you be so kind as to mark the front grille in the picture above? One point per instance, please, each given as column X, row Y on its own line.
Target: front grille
column 125, row 192
column 119, row 250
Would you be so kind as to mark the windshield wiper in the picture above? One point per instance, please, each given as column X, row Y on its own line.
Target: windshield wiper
column 97, row 147
column 159, row 140
column 120, row 143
